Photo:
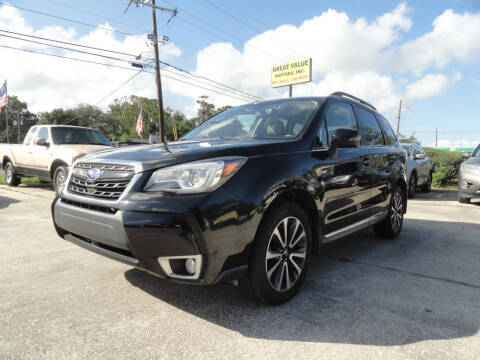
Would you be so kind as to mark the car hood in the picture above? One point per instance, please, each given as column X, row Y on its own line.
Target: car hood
column 473, row 161
column 84, row 149
column 159, row 155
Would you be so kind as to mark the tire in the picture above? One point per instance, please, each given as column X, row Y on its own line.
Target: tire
column 275, row 274
column 391, row 226
column 59, row 178
column 428, row 186
column 412, row 186
column 10, row 178
column 463, row 200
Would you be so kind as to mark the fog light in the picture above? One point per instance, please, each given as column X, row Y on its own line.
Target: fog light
column 191, row 265
column 464, row 185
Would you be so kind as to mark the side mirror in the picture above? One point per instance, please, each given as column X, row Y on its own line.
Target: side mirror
column 42, row 142
column 419, row 156
column 343, row 138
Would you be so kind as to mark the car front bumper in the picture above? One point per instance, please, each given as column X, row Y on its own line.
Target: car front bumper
column 469, row 187
column 158, row 234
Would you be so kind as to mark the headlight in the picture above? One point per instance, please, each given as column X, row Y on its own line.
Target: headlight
column 194, row 177
column 470, row 170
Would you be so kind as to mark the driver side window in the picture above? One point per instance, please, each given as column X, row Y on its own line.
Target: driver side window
column 340, row 115
column 43, row 134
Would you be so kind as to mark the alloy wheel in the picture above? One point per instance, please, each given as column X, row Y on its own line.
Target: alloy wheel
column 9, row 174
column 286, row 252
column 396, row 215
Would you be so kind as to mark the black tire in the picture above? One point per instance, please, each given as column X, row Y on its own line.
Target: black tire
column 462, row 199
column 428, row 186
column 11, row 179
column 412, row 186
column 59, row 178
column 285, row 280
column 391, row 226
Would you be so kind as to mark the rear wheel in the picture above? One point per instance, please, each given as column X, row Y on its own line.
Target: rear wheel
column 412, row 186
column 10, row 178
column 391, row 226
column 59, row 178
column 281, row 255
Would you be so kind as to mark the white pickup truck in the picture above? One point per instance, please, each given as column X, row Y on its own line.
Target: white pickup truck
column 48, row 151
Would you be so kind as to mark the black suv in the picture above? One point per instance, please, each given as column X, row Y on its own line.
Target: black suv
column 245, row 197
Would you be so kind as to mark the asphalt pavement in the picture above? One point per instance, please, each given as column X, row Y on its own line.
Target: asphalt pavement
column 416, row 297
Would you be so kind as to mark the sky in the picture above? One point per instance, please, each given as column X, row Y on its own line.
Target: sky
column 425, row 53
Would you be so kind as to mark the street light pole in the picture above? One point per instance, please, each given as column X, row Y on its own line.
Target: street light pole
column 158, row 79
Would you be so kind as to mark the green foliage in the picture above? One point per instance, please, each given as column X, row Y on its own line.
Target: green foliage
column 411, row 139
column 447, row 164
column 19, row 120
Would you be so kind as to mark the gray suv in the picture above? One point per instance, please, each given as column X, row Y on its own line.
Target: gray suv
column 419, row 169
column 469, row 178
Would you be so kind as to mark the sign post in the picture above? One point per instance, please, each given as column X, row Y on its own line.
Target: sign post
column 294, row 72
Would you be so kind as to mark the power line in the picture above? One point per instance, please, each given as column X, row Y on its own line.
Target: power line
column 98, row 15
column 119, row 87
column 119, row 67
column 216, row 28
column 71, row 20
column 247, row 25
column 68, row 43
column 127, row 61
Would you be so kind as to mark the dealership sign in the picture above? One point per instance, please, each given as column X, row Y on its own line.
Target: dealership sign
column 295, row 72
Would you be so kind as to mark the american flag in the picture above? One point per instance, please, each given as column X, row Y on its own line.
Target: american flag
column 3, row 96
column 139, row 127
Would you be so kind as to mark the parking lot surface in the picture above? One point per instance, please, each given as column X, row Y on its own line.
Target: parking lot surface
column 416, row 297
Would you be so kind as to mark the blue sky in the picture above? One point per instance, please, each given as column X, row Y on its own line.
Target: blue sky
column 443, row 93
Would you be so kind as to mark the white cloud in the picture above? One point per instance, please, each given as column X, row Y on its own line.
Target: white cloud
column 366, row 58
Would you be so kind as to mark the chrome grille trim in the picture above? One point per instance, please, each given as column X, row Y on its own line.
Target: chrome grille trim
column 110, row 185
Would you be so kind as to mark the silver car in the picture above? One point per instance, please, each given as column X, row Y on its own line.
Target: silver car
column 469, row 178
column 419, row 169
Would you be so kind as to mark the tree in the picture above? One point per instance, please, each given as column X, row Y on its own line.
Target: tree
column 20, row 119
column 205, row 109
column 409, row 140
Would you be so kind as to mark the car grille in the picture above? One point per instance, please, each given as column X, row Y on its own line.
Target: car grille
column 108, row 182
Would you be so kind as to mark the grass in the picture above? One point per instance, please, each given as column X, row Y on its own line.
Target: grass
column 33, row 180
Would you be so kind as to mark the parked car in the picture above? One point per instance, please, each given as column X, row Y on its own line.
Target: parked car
column 245, row 197
column 48, row 151
column 469, row 178
column 419, row 169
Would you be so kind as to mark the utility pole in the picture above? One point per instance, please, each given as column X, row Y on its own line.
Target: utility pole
column 398, row 119
column 290, row 90
column 154, row 39
column 436, row 137
column 158, row 79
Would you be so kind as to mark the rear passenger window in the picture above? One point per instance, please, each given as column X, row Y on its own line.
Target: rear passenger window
column 371, row 132
column 390, row 137
column 340, row 116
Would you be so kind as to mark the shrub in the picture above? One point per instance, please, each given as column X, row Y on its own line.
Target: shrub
column 447, row 164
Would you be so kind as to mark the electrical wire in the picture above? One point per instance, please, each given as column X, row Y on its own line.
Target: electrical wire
column 119, row 87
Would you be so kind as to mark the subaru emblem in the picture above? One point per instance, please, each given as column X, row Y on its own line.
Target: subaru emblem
column 93, row 174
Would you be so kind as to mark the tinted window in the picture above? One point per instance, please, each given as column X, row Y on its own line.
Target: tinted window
column 43, row 133
column 283, row 119
column 371, row 132
column 71, row 135
column 476, row 152
column 340, row 116
column 390, row 137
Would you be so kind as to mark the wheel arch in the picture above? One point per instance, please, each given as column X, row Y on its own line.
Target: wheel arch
column 5, row 160
column 55, row 164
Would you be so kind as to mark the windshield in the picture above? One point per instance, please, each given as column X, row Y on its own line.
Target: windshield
column 283, row 119
column 476, row 152
column 408, row 149
column 71, row 135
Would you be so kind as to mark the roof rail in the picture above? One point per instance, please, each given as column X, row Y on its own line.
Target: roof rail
column 341, row 93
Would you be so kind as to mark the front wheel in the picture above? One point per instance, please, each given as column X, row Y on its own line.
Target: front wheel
column 281, row 255
column 59, row 178
column 428, row 186
column 391, row 226
column 462, row 199
column 11, row 179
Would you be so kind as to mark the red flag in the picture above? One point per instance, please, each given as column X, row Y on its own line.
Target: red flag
column 139, row 127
